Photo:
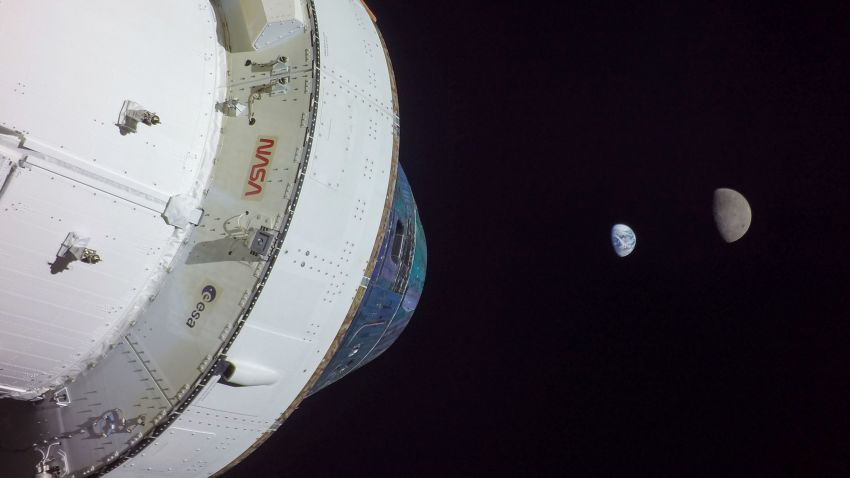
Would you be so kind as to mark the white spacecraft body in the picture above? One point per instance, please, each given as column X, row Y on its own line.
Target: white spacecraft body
column 202, row 221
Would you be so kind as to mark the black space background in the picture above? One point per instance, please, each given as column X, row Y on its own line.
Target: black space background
column 528, row 129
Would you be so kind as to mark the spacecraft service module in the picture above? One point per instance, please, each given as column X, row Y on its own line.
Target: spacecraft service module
column 202, row 222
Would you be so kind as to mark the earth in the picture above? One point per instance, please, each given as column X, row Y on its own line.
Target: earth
column 623, row 239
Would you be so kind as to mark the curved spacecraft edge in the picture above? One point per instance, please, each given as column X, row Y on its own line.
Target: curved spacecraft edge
column 204, row 221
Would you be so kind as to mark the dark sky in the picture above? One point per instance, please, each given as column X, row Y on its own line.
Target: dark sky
column 528, row 129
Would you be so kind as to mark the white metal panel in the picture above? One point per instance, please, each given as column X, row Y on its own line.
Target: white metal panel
column 176, row 453
column 100, row 184
column 62, row 95
column 354, row 58
column 336, row 222
column 195, row 445
column 279, row 352
column 66, row 88
column 284, row 19
column 261, row 24
column 55, row 317
column 121, row 383
column 330, row 239
column 60, row 162
column 216, row 252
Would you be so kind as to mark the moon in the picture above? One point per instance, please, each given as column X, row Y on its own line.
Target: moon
column 623, row 239
column 732, row 214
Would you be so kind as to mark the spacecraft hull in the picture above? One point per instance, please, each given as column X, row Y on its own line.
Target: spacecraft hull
column 287, row 223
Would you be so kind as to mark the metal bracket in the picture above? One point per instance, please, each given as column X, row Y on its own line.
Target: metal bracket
column 74, row 248
column 46, row 467
column 261, row 241
column 277, row 86
column 62, row 397
column 132, row 114
column 278, row 82
column 277, row 66
column 232, row 107
column 180, row 212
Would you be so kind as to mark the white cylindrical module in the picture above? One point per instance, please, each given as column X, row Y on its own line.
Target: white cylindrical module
column 220, row 229
column 78, row 161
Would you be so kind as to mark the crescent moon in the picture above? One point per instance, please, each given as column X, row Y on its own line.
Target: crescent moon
column 732, row 214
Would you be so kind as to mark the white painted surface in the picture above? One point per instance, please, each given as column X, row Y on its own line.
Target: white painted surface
column 62, row 94
column 67, row 88
column 52, row 323
column 324, row 255
column 82, row 176
column 284, row 19
column 336, row 221
column 260, row 24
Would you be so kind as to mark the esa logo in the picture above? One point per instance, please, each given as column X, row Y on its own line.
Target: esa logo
column 207, row 296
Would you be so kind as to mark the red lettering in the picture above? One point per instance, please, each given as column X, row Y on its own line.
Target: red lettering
column 257, row 189
column 266, row 146
column 258, row 170
column 257, row 173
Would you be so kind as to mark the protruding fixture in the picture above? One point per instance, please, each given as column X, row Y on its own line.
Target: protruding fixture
column 257, row 238
column 261, row 241
column 255, row 25
column 233, row 107
column 277, row 62
column 46, row 467
column 181, row 211
column 75, row 248
column 240, row 373
column 61, row 397
column 132, row 114
column 40, row 472
column 277, row 85
column 110, row 422
column 90, row 256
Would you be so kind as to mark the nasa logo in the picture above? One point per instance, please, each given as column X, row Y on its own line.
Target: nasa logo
column 263, row 155
column 208, row 294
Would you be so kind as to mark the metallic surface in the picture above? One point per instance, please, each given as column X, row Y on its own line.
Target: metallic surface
column 392, row 292
column 296, row 251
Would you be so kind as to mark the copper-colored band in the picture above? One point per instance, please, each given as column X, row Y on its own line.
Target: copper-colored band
column 369, row 11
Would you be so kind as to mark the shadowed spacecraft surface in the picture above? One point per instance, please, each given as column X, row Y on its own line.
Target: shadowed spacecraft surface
column 204, row 222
